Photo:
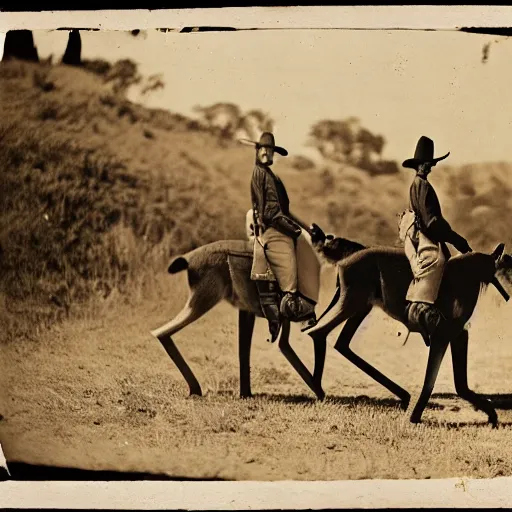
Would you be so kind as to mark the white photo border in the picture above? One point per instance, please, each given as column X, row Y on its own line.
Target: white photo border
column 244, row 495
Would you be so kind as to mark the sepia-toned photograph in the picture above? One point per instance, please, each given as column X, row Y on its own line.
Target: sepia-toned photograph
column 256, row 255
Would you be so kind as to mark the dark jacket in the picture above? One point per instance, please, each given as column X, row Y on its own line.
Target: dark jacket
column 271, row 203
column 424, row 202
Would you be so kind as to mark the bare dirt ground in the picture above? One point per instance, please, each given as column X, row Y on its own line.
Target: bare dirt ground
column 101, row 393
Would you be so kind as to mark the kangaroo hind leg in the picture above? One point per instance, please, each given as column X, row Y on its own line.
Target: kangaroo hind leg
column 337, row 312
column 438, row 346
column 343, row 347
column 297, row 364
column 200, row 301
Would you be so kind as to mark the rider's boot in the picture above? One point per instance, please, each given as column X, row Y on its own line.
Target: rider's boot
column 269, row 301
column 298, row 308
column 427, row 317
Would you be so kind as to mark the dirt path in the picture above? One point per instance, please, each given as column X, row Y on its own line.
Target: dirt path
column 102, row 394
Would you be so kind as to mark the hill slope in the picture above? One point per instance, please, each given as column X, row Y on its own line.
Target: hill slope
column 98, row 193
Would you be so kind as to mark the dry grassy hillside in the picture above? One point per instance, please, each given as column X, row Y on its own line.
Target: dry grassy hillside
column 478, row 200
column 98, row 193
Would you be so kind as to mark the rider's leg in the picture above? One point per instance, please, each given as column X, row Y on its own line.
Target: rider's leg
column 427, row 317
column 281, row 254
column 269, row 301
column 423, row 291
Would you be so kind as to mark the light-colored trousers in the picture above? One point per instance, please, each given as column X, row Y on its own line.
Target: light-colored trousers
column 295, row 266
column 427, row 264
column 427, row 261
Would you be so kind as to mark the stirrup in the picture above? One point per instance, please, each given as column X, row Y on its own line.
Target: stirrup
column 406, row 337
column 426, row 338
column 274, row 327
column 308, row 322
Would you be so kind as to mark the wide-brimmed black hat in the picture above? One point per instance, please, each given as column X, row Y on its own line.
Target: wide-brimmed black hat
column 266, row 140
column 424, row 154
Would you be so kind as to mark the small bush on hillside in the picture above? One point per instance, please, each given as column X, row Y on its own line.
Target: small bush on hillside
column 41, row 80
column 480, row 205
column 78, row 223
column 53, row 227
column 383, row 167
column 302, row 163
column 100, row 67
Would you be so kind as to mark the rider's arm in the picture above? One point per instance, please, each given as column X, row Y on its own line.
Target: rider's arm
column 433, row 220
column 272, row 214
column 442, row 230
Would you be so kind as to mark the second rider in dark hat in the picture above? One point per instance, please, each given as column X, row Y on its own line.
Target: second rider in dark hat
column 432, row 232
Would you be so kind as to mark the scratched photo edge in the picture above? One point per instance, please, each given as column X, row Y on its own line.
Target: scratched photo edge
column 23, row 488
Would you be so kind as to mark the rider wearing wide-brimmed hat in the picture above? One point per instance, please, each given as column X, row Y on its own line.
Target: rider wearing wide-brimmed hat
column 278, row 232
column 426, row 243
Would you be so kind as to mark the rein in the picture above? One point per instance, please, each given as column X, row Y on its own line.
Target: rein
column 500, row 288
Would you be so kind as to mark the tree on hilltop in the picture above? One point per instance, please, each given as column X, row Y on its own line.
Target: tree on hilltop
column 347, row 141
column 229, row 121
column 123, row 74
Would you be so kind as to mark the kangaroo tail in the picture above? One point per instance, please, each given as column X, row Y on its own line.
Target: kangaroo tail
column 178, row 264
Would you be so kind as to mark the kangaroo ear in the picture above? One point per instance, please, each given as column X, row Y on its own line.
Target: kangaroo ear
column 496, row 254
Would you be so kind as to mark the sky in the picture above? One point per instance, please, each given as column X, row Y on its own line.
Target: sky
column 401, row 84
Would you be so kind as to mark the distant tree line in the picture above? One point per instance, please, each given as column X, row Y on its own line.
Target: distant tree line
column 346, row 141
column 342, row 141
column 123, row 74
column 229, row 121
column 339, row 141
